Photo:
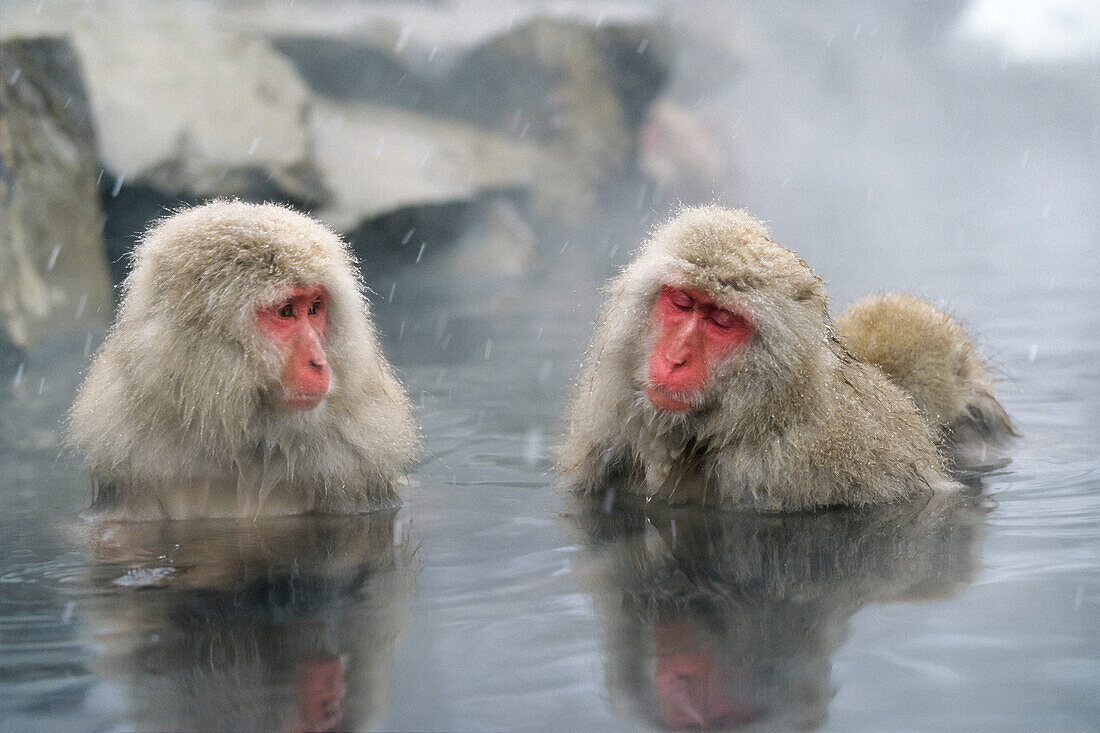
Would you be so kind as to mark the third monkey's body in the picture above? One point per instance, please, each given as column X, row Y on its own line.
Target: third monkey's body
column 715, row 375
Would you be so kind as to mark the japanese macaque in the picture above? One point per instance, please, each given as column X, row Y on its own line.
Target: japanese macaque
column 715, row 375
column 718, row 620
column 242, row 377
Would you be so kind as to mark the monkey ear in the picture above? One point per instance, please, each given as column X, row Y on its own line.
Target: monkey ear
column 806, row 292
column 809, row 288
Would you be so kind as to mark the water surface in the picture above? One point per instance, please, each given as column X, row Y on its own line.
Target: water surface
column 493, row 600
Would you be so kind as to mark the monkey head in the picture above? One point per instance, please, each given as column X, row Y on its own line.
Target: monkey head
column 243, row 358
column 730, row 313
column 271, row 287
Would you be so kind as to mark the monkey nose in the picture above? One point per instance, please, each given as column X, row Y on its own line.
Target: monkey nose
column 314, row 354
column 677, row 359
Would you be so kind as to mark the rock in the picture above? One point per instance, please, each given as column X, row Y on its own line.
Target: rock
column 183, row 102
column 465, row 242
column 187, row 106
column 562, row 74
column 53, row 278
column 576, row 83
column 500, row 243
column 356, row 69
column 409, row 236
column 380, row 159
column 412, row 112
column 578, row 89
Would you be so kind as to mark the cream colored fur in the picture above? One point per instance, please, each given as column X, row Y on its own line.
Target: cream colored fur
column 929, row 355
column 176, row 416
column 792, row 421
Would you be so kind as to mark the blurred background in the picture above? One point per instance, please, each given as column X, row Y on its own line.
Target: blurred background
column 492, row 163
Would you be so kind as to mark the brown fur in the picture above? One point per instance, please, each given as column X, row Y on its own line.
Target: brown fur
column 177, row 416
column 793, row 421
column 928, row 354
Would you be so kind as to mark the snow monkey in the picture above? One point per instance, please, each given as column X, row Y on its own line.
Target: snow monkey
column 242, row 376
column 715, row 375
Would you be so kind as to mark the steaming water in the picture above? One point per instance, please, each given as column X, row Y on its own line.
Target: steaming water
column 491, row 600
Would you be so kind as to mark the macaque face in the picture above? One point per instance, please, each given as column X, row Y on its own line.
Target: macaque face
column 296, row 325
column 691, row 332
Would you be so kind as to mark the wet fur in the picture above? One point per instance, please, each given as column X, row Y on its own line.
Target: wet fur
column 176, row 416
column 794, row 421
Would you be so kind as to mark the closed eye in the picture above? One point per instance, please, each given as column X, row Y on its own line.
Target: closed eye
column 682, row 301
column 723, row 319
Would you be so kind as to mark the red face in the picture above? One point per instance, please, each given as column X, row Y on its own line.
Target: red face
column 692, row 332
column 296, row 325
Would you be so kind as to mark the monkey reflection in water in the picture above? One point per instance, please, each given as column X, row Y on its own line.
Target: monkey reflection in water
column 283, row 624
column 719, row 620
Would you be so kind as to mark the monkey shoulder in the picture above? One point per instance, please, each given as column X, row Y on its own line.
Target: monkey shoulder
column 873, row 446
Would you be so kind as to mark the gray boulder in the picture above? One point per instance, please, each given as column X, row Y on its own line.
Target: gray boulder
column 575, row 85
column 380, row 118
column 380, row 159
column 53, row 277
column 580, row 90
column 185, row 104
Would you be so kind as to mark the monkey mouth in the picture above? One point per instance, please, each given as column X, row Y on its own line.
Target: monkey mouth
column 304, row 400
column 662, row 399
